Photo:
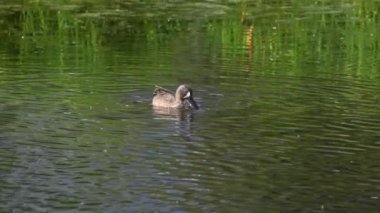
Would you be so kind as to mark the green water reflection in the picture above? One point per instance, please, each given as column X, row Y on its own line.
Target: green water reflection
column 289, row 95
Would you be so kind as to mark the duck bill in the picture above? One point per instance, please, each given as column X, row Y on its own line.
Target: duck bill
column 192, row 103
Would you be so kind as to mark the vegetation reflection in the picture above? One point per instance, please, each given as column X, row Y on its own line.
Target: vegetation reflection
column 291, row 33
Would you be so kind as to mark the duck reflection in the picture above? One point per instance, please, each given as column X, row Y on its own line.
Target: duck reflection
column 173, row 114
column 182, row 118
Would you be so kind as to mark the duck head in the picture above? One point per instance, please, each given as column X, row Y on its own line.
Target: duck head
column 184, row 94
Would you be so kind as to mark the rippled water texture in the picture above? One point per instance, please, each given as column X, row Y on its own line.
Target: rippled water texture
column 288, row 94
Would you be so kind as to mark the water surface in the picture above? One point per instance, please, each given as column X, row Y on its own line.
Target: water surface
column 289, row 96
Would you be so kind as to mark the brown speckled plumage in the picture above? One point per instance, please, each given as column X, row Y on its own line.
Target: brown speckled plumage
column 182, row 98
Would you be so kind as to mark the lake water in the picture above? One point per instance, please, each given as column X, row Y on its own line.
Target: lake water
column 289, row 97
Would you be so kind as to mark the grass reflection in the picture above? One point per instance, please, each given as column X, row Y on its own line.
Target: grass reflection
column 260, row 33
column 59, row 35
column 298, row 35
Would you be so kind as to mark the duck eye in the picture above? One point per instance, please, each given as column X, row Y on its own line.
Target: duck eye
column 188, row 94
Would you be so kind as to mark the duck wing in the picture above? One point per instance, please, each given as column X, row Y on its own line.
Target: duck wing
column 163, row 97
column 162, row 91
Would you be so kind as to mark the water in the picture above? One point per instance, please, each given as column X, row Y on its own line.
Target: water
column 288, row 120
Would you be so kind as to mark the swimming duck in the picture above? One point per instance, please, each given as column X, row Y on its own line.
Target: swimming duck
column 181, row 99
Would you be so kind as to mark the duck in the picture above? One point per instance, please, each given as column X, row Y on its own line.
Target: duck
column 181, row 99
